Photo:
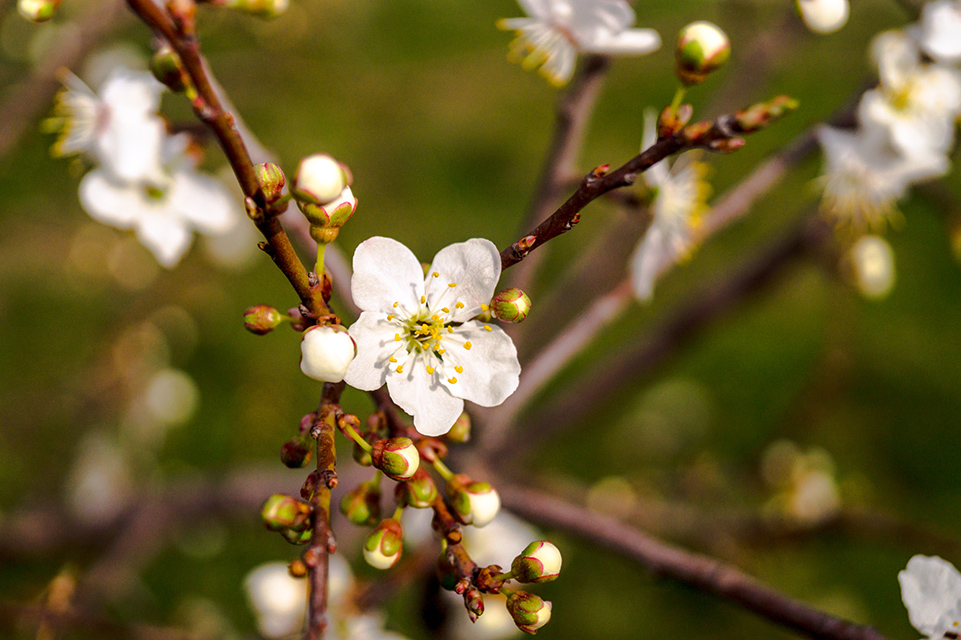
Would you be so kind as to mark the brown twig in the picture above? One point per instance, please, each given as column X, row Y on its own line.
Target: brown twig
column 699, row 571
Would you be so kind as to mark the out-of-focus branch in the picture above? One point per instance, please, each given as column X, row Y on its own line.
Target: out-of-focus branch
column 24, row 100
column 12, row 614
column 699, row 571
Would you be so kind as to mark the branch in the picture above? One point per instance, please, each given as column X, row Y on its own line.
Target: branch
column 696, row 570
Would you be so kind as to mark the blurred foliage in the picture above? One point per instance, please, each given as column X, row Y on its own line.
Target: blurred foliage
column 445, row 139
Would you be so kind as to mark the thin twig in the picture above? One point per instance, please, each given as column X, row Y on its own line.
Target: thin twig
column 699, row 571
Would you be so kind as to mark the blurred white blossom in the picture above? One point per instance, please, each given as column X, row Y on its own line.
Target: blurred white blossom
column 558, row 29
column 278, row 599
column 873, row 262
column 939, row 31
column 931, row 592
column 806, row 489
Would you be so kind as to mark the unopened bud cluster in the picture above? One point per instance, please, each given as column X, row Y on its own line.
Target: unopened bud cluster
column 322, row 190
column 474, row 503
column 383, row 547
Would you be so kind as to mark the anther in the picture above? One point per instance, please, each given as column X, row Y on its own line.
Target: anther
column 400, row 368
column 452, row 284
column 445, row 310
column 396, row 337
column 467, row 345
column 485, row 307
column 390, row 316
column 452, row 380
column 392, row 359
column 435, row 274
column 430, row 370
column 459, row 305
column 423, row 299
column 396, row 304
column 459, row 369
column 487, row 328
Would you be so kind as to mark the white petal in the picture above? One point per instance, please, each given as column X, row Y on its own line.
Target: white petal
column 385, row 271
column 134, row 92
column 490, row 367
column 166, row 234
column 415, row 391
column 474, row 267
column 374, row 337
column 931, row 591
column 594, row 19
column 940, row 31
column 109, row 202
column 130, row 147
column 632, row 42
column 202, row 200
column 651, row 257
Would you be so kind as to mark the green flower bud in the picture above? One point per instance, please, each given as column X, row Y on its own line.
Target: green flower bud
column 166, row 67
column 474, row 603
column 396, row 457
column 474, row 503
column 271, row 179
column 362, row 505
column 261, row 319
column 383, row 547
column 511, row 305
column 419, row 492
column 281, row 512
column 528, row 611
column 297, row 537
column 460, row 432
column 701, row 49
column 539, row 562
column 37, row 10
column 262, row 8
column 322, row 191
column 296, row 452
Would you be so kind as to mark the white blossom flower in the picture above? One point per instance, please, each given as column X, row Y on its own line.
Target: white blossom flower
column 680, row 194
column 557, row 29
column 416, row 332
column 939, row 31
column 931, row 591
column 163, row 209
column 864, row 176
column 120, row 128
column 278, row 599
column 916, row 103
column 823, row 16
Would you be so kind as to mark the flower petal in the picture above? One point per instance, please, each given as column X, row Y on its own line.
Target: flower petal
column 130, row 146
column 109, row 202
column 474, row 267
column 490, row 367
column 418, row 393
column 592, row 20
column 165, row 233
column 203, row 200
column 374, row 337
column 385, row 271
column 632, row 42
column 931, row 591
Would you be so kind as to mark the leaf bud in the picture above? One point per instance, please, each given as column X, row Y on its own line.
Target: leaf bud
column 37, row 10
column 271, row 179
column 296, row 452
column 281, row 512
column 325, row 352
column 460, row 432
column 396, row 457
column 823, row 16
column 701, row 49
column 474, row 503
column 261, row 319
column 540, row 561
column 419, row 492
column 297, row 537
column 383, row 547
column 362, row 505
column 262, row 8
column 511, row 305
column 528, row 611
column 474, row 603
column 166, row 68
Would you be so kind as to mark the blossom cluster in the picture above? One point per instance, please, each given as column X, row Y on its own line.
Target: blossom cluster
column 144, row 178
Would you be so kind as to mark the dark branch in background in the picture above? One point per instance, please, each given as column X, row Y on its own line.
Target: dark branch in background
column 13, row 614
column 663, row 560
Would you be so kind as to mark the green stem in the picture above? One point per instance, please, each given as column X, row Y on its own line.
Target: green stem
column 356, row 437
column 397, row 513
column 319, row 269
column 678, row 98
column 504, row 576
column 442, row 469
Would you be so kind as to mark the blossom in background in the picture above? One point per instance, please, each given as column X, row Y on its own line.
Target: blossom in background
column 931, row 592
column 864, row 176
column 163, row 208
column 806, row 489
column 415, row 333
column 119, row 128
column 939, row 31
column 873, row 261
column 823, row 16
column 558, row 29
column 916, row 104
column 680, row 195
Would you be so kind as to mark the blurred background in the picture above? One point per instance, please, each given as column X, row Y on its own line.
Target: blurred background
column 803, row 433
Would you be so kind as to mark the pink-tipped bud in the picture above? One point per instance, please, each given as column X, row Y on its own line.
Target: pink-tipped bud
column 528, row 611
column 461, row 430
column 296, row 452
column 539, row 562
column 281, row 512
column 271, row 179
column 396, row 457
column 261, row 319
column 701, row 49
column 362, row 505
column 37, row 10
column 166, row 68
column 385, row 545
column 475, row 503
column 511, row 305
column 419, row 492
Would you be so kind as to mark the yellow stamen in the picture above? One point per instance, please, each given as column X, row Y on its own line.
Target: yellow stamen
column 467, row 345
column 430, row 370
column 459, row 305
column 441, row 351
column 445, row 310
column 392, row 359
column 459, row 369
column 450, row 329
column 452, row 380
column 486, row 328
column 484, row 307
column 435, row 274
column 396, row 337
column 423, row 299
column 400, row 368
column 435, row 318
column 395, row 304
column 390, row 316
column 452, row 284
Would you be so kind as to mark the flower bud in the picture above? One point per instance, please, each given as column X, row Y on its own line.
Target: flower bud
column 297, row 537
column 539, row 562
column 322, row 191
column 362, row 505
column 166, row 68
column 281, row 512
column 271, row 179
column 261, row 319
column 474, row 503
column 701, row 48
column 397, row 458
column 37, row 10
column 460, row 432
column 325, row 352
column 384, row 546
column 262, row 8
column 528, row 611
column 474, row 603
column 418, row 492
column 296, row 452
column 297, row 568
column 511, row 305
column 823, row 16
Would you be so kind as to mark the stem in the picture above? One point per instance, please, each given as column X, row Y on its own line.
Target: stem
column 319, row 268
column 678, row 98
column 442, row 469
